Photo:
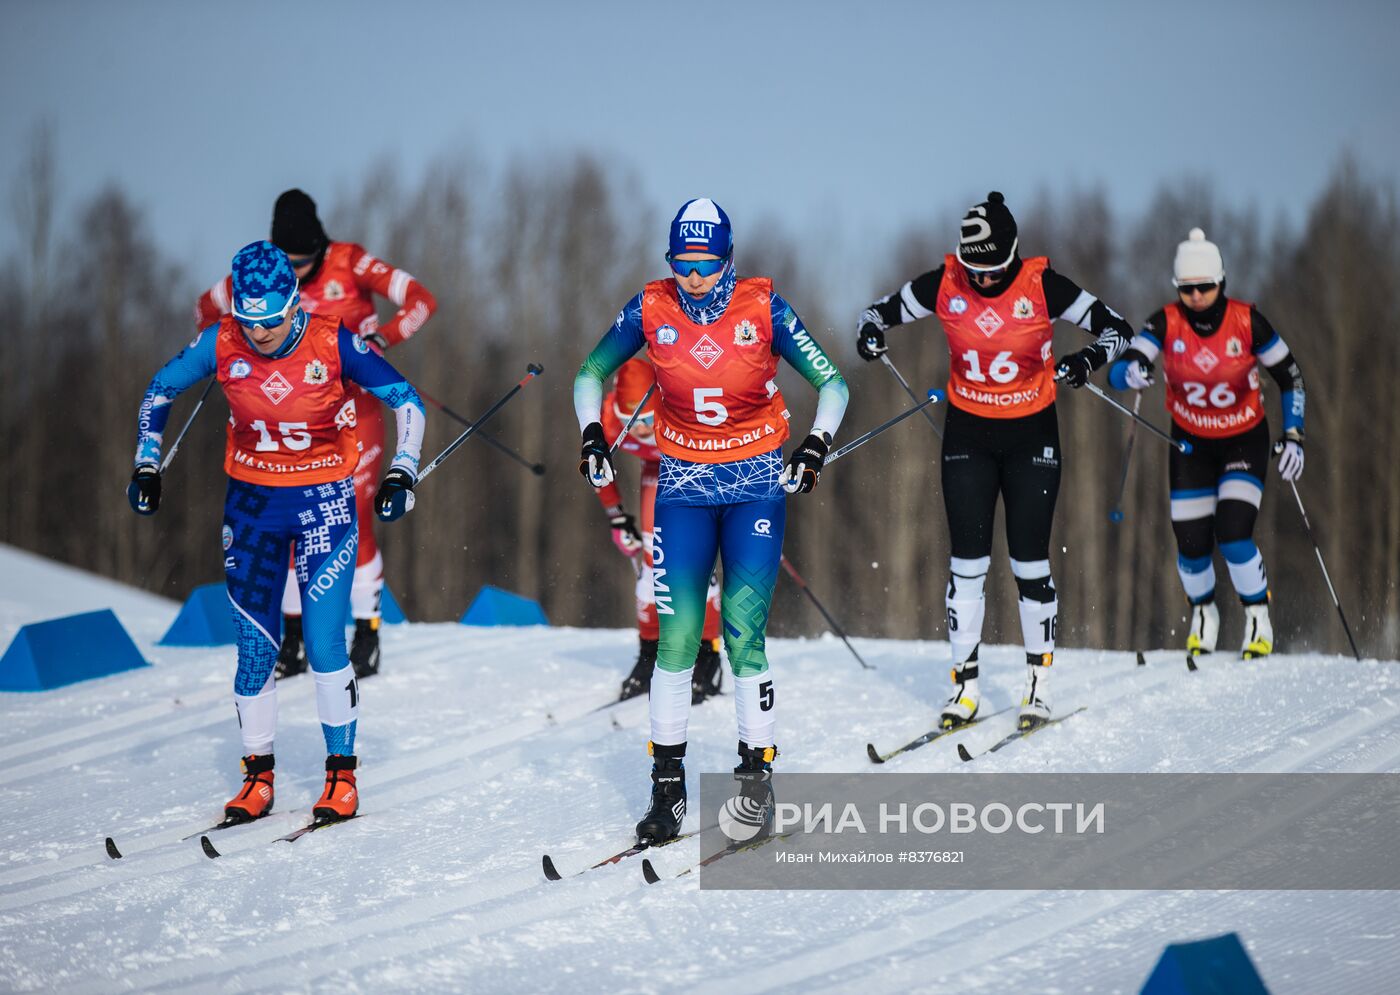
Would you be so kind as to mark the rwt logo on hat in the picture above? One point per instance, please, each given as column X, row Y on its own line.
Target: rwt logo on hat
column 701, row 226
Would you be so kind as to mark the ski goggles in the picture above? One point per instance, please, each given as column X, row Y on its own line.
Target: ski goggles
column 704, row 267
column 1187, row 289
column 268, row 320
column 646, row 419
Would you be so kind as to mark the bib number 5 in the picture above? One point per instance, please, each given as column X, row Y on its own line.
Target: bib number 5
column 708, row 409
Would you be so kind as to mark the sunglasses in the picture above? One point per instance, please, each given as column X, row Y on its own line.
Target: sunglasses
column 705, row 267
column 1187, row 289
column 299, row 261
column 985, row 277
column 270, row 321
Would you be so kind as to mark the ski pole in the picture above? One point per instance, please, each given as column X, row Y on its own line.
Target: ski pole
column 934, row 396
column 1179, row 444
column 1331, row 590
column 1116, row 515
column 175, row 447
column 636, row 412
column 531, row 371
column 797, row 579
column 889, row 364
column 536, row 468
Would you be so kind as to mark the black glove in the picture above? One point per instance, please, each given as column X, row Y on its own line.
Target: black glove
column 1075, row 368
column 804, row 466
column 625, row 534
column 870, row 341
column 395, row 496
column 595, row 459
column 144, row 490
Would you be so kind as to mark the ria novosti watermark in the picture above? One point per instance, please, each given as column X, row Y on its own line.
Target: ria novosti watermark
column 1094, row 831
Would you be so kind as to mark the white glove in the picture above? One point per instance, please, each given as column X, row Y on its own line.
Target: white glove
column 1138, row 375
column 1290, row 461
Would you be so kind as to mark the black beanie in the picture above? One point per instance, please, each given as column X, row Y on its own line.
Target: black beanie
column 988, row 234
column 295, row 228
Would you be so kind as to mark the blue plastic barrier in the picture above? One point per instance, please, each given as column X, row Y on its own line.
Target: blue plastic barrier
column 389, row 609
column 493, row 606
column 205, row 619
column 1219, row 966
column 66, row 650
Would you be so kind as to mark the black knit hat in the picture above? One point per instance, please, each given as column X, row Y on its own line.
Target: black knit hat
column 988, row 235
column 295, row 228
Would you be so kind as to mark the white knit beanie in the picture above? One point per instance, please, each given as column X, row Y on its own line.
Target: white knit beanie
column 1198, row 259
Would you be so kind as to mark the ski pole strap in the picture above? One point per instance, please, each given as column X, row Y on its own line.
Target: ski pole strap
column 531, row 371
column 934, row 396
column 1179, row 444
column 536, row 468
column 636, row 412
column 889, row 364
column 175, row 446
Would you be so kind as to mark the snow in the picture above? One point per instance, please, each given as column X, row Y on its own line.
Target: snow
column 480, row 753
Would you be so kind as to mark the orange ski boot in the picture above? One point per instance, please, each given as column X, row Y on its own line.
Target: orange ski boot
column 255, row 800
column 340, row 800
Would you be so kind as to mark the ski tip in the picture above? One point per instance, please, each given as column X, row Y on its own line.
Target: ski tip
column 963, row 755
column 649, row 872
column 208, row 848
column 1141, row 660
column 874, row 755
column 112, row 850
column 550, row 873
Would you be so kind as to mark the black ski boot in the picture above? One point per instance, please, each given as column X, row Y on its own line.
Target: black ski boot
column 639, row 681
column 364, row 648
column 663, row 819
column 707, row 677
column 752, row 808
column 291, row 658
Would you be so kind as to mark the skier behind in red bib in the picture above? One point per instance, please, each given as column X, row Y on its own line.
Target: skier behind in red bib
column 1211, row 347
column 340, row 279
column 290, row 455
column 1001, row 434
column 634, row 541
column 714, row 341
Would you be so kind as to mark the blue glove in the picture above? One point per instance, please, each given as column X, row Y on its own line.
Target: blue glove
column 395, row 497
column 144, row 490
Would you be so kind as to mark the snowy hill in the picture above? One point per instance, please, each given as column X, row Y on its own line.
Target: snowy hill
column 480, row 753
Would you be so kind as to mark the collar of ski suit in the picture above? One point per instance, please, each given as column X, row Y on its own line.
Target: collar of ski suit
column 708, row 309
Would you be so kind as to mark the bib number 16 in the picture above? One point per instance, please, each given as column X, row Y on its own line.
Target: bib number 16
column 1002, row 369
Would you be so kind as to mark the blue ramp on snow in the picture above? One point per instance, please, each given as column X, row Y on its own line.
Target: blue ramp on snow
column 1219, row 966
column 66, row 650
column 206, row 618
column 493, row 606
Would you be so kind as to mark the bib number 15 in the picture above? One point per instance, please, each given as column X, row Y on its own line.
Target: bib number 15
column 294, row 436
column 1002, row 369
column 708, row 409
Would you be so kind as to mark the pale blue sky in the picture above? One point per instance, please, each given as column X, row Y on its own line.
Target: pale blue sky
column 847, row 121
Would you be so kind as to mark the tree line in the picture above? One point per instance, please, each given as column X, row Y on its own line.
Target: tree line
column 95, row 306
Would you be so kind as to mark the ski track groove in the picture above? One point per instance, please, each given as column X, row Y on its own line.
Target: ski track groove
column 597, row 726
column 499, row 902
